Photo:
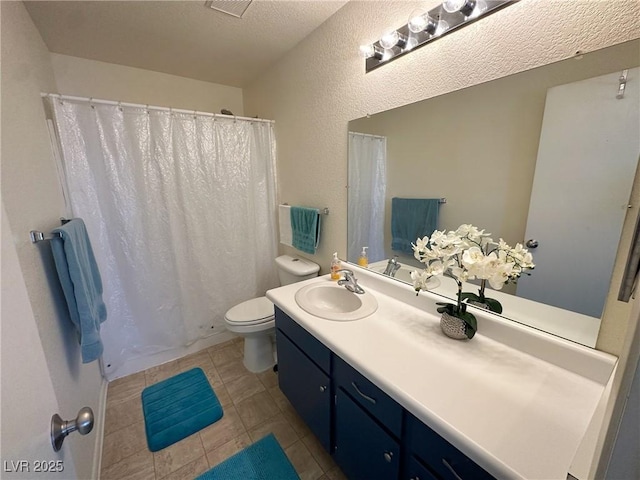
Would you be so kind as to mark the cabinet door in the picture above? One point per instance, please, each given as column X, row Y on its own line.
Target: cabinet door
column 364, row 450
column 306, row 387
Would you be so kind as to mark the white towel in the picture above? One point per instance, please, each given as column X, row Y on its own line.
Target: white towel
column 284, row 214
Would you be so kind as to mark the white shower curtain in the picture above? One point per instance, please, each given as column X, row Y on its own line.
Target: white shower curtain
column 367, row 188
column 181, row 211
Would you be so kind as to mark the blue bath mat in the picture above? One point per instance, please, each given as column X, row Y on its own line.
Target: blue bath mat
column 178, row 407
column 264, row 460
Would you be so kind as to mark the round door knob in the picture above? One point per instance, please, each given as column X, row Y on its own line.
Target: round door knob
column 532, row 243
column 388, row 456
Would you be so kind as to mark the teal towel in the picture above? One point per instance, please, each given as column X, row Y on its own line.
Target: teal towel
column 263, row 460
column 305, row 228
column 81, row 284
column 412, row 218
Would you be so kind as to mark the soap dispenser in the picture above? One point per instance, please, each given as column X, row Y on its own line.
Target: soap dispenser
column 363, row 260
column 335, row 266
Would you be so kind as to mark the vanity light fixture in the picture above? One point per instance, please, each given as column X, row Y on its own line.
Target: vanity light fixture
column 424, row 27
column 465, row 7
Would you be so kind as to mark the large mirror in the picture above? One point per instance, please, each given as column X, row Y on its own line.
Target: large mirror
column 547, row 155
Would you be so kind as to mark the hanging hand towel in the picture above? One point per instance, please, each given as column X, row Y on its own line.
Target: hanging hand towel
column 305, row 228
column 284, row 221
column 412, row 218
column 81, row 283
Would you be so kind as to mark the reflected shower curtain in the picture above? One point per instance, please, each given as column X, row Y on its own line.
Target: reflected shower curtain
column 181, row 211
column 367, row 187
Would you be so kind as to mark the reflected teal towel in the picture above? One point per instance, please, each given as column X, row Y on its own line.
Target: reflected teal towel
column 305, row 228
column 412, row 218
column 81, row 283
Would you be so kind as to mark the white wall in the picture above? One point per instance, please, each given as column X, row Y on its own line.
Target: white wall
column 28, row 399
column 90, row 78
column 315, row 90
column 32, row 200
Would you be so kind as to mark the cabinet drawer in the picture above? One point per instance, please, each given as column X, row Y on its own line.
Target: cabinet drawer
column 442, row 457
column 310, row 345
column 370, row 397
column 364, row 450
column 417, row 471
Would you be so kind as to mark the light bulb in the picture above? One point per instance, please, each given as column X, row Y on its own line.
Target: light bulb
column 418, row 20
column 463, row 6
column 441, row 28
column 480, row 8
column 411, row 43
column 421, row 21
column 390, row 39
column 367, row 51
column 370, row 50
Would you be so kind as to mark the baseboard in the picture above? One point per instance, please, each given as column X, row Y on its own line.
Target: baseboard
column 98, row 427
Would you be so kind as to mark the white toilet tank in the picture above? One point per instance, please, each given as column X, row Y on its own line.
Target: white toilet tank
column 294, row 269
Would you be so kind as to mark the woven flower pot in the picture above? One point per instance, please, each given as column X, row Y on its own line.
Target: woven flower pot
column 478, row 304
column 453, row 327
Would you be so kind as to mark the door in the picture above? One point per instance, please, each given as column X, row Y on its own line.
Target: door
column 28, row 399
column 587, row 158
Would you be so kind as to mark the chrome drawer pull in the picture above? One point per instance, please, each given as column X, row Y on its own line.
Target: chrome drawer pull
column 323, row 388
column 453, row 472
column 388, row 456
column 367, row 397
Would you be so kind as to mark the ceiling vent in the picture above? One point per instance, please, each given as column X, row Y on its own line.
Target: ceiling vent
column 235, row 8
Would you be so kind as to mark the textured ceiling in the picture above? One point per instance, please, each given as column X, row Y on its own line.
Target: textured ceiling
column 180, row 37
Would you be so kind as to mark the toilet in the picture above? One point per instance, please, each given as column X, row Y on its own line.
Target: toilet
column 254, row 319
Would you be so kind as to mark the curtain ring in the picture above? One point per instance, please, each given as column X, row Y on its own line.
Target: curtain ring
column 91, row 103
column 120, row 107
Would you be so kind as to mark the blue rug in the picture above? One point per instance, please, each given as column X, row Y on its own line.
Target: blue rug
column 178, row 407
column 264, row 460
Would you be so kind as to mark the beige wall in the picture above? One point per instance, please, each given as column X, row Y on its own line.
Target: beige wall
column 108, row 81
column 33, row 200
column 315, row 90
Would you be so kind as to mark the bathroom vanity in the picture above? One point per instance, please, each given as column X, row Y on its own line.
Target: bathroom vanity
column 390, row 397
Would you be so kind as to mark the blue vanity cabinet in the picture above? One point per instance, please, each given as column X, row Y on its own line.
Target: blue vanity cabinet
column 370, row 435
column 368, row 426
column 445, row 460
column 417, row 471
column 303, row 376
column 363, row 449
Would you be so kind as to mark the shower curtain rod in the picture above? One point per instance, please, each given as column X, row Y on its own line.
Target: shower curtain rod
column 150, row 107
column 368, row 135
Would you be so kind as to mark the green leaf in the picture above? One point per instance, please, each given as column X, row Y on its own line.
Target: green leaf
column 471, row 324
column 445, row 308
column 469, row 296
column 493, row 304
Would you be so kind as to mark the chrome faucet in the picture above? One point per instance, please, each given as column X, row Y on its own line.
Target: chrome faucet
column 392, row 266
column 350, row 282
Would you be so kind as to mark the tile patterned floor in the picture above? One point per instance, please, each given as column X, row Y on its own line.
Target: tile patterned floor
column 253, row 407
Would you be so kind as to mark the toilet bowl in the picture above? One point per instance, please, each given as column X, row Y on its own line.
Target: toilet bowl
column 254, row 319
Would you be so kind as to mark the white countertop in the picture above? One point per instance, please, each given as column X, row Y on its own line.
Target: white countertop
column 515, row 400
column 573, row 326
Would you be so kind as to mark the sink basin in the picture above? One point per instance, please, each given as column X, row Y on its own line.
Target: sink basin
column 334, row 302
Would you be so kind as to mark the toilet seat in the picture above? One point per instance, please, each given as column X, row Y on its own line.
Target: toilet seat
column 252, row 312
